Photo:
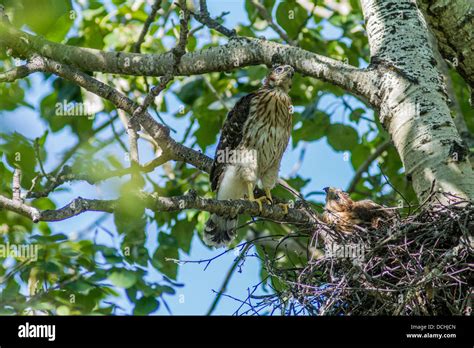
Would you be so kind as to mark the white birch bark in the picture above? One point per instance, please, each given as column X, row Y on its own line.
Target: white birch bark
column 412, row 100
column 452, row 22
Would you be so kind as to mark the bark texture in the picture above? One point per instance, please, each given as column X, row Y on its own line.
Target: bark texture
column 413, row 100
column 452, row 22
column 402, row 82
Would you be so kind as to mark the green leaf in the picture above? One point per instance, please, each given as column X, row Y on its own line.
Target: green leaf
column 313, row 128
column 356, row 114
column 291, row 16
column 162, row 263
column 254, row 16
column 342, row 137
column 123, row 278
column 130, row 220
column 207, row 132
column 20, row 154
column 145, row 305
column 11, row 95
column 51, row 18
column 183, row 232
column 359, row 154
column 62, row 310
column 191, row 91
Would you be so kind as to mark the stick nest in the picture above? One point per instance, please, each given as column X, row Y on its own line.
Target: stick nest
column 418, row 265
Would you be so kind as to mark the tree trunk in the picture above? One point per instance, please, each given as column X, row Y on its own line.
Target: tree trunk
column 412, row 101
column 452, row 22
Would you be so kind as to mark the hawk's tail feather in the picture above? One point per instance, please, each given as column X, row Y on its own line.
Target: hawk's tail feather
column 220, row 230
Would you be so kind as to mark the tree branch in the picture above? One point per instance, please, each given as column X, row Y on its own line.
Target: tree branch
column 146, row 26
column 164, row 204
column 452, row 23
column 223, row 288
column 268, row 17
column 237, row 53
column 205, row 18
column 365, row 166
column 159, row 132
column 20, row 71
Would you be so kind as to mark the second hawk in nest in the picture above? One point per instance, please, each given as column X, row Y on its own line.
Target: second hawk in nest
column 348, row 216
column 253, row 140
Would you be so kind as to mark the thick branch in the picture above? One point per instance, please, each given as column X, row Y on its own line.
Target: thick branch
column 237, row 53
column 459, row 121
column 20, row 208
column 21, row 71
column 453, row 25
column 413, row 101
column 157, row 131
column 165, row 204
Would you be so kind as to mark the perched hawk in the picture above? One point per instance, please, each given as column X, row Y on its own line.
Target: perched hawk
column 253, row 140
column 346, row 214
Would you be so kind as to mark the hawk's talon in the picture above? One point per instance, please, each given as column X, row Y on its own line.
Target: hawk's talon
column 259, row 201
column 268, row 195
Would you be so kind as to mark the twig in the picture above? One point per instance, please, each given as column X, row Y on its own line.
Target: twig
column 216, row 94
column 365, row 166
column 177, row 52
column 33, row 65
column 227, row 278
column 146, row 26
column 262, row 10
column 205, row 18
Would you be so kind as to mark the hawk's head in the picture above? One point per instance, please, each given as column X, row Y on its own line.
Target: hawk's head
column 337, row 200
column 280, row 76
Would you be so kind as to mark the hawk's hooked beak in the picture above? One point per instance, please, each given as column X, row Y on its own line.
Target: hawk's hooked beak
column 326, row 189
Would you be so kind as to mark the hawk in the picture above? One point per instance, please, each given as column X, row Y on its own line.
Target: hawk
column 253, row 139
column 346, row 214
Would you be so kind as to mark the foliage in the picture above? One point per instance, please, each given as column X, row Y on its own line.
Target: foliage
column 80, row 273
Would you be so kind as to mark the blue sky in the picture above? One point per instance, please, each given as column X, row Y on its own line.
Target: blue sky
column 323, row 165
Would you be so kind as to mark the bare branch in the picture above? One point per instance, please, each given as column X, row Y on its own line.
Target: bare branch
column 21, row 71
column 262, row 10
column 146, row 26
column 205, row 18
column 365, row 166
column 238, row 53
column 165, row 204
column 177, row 52
column 20, row 208
column 157, row 131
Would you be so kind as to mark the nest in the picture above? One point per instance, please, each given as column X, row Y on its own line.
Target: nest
column 417, row 265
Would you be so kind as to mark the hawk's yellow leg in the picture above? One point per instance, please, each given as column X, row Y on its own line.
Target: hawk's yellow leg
column 252, row 197
column 268, row 195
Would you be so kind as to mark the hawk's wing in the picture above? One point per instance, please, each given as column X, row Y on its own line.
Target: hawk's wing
column 368, row 210
column 231, row 136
